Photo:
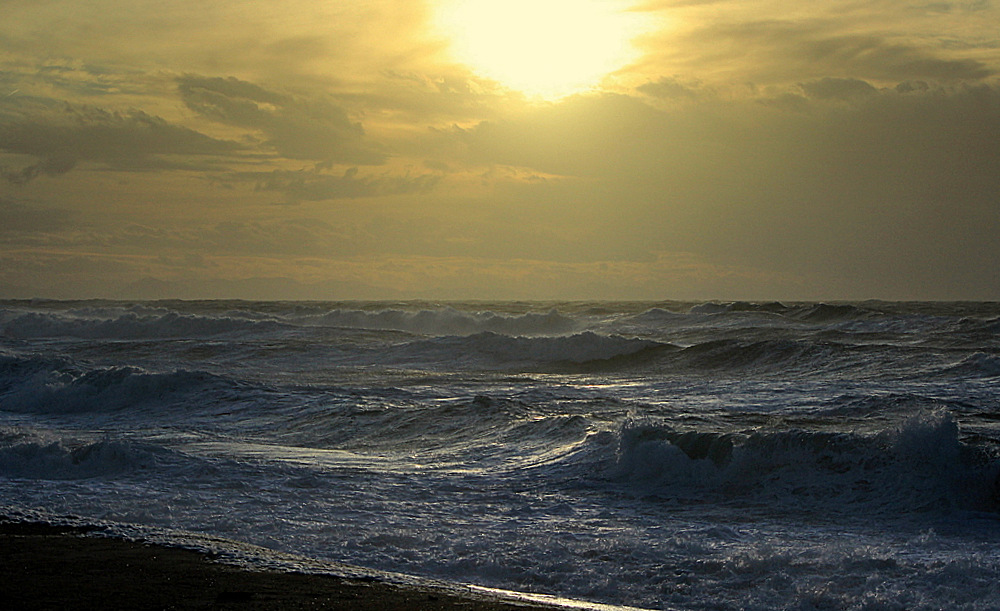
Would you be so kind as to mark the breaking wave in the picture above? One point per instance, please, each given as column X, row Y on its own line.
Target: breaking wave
column 41, row 385
column 921, row 466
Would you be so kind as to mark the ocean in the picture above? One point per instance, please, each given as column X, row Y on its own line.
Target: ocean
column 654, row 455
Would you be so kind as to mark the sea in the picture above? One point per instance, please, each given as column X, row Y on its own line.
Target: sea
column 670, row 455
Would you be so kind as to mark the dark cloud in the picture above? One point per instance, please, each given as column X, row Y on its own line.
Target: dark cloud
column 294, row 127
column 52, row 166
column 316, row 185
column 669, row 89
column 838, row 89
column 60, row 135
column 913, row 86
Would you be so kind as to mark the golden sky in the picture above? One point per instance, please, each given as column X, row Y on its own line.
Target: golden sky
column 471, row 149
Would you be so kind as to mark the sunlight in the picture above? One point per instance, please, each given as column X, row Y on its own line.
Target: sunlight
column 543, row 48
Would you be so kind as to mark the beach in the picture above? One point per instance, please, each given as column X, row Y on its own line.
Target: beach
column 61, row 567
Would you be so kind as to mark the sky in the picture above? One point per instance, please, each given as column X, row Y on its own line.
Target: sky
column 471, row 149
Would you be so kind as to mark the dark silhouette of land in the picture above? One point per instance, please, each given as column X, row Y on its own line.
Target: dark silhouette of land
column 55, row 567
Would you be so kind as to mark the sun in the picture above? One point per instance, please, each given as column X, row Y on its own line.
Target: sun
column 543, row 48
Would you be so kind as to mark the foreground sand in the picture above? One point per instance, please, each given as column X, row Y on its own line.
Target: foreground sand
column 55, row 567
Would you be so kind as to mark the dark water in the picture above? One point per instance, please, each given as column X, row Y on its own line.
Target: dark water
column 670, row 455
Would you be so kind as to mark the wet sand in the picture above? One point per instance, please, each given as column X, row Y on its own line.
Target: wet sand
column 55, row 567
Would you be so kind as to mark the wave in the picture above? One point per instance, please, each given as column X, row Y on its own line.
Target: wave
column 811, row 312
column 980, row 326
column 714, row 307
column 825, row 313
column 920, row 466
column 779, row 355
column 127, row 325
column 658, row 316
column 450, row 321
column 978, row 364
column 69, row 460
column 416, row 425
column 590, row 352
column 488, row 349
column 43, row 385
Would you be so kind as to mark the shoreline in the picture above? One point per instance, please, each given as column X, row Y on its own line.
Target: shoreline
column 47, row 566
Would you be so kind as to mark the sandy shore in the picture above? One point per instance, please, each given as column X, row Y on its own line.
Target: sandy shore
column 55, row 567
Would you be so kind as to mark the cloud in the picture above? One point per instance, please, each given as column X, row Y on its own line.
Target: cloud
column 62, row 134
column 838, row 89
column 52, row 166
column 17, row 219
column 313, row 185
column 668, row 88
column 877, row 190
column 782, row 51
column 847, row 145
column 875, row 57
column 294, row 127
